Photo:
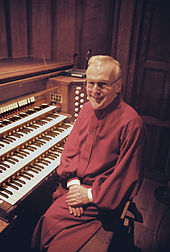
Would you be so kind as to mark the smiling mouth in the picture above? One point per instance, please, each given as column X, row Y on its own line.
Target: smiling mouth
column 97, row 99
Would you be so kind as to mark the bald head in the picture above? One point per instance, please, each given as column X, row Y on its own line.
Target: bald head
column 101, row 62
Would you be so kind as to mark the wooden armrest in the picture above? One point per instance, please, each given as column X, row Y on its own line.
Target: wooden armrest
column 125, row 209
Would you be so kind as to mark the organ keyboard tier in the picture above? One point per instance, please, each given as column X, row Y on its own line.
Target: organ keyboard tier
column 31, row 143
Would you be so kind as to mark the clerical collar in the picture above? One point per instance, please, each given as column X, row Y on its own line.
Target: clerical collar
column 112, row 106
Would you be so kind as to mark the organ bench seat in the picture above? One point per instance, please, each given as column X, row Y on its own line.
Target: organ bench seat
column 110, row 240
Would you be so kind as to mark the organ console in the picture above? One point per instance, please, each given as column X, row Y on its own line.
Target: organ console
column 71, row 93
column 33, row 127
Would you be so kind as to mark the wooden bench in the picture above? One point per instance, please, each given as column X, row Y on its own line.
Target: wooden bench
column 102, row 239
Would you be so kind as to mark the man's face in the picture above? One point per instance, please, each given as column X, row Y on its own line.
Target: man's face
column 100, row 96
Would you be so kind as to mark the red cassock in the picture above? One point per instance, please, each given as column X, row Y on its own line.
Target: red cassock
column 105, row 151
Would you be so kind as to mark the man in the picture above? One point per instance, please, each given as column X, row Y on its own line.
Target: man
column 100, row 166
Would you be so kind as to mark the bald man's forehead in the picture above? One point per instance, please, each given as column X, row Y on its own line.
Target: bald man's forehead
column 99, row 68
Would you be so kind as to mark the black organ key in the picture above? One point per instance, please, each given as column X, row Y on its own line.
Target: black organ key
column 14, row 159
column 8, row 140
column 58, row 150
column 24, row 176
column 53, row 116
column 43, row 162
column 37, row 144
column 41, row 140
column 23, row 152
column 28, row 174
column 64, row 126
column 16, row 183
column 23, row 114
column 5, row 122
column 49, row 156
column 53, row 134
column 46, row 119
column 2, row 168
column 34, row 170
column 11, row 138
column 4, row 141
column 13, row 186
column 33, row 126
column 47, row 161
column 19, row 179
column 7, row 166
column 4, row 195
column 6, row 190
column 59, row 130
column 19, row 155
column 30, row 111
column 46, row 138
column 10, row 161
column 18, row 135
column 52, row 155
column 31, row 148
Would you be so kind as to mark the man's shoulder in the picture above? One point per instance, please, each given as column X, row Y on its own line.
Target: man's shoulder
column 86, row 107
column 128, row 113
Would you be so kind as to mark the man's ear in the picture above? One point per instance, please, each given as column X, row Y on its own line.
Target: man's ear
column 118, row 86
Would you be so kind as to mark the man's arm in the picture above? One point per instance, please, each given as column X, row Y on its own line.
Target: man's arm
column 77, row 197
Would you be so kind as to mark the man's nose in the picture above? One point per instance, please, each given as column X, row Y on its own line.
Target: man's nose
column 96, row 89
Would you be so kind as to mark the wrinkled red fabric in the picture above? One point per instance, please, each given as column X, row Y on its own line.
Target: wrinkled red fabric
column 104, row 151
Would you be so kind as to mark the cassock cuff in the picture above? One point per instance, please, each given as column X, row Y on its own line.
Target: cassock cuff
column 71, row 182
column 90, row 196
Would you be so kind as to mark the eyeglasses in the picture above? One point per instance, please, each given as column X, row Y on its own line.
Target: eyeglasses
column 100, row 84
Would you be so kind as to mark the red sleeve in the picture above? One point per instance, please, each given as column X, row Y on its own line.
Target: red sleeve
column 69, row 159
column 109, row 192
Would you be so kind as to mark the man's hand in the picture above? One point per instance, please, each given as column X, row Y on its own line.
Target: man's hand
column 77, row 196
column 76, row 211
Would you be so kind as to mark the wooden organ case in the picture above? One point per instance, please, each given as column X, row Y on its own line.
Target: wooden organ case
column 32, row 130
column 71, row 93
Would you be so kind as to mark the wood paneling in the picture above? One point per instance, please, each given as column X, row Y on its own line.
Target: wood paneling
column 3, row 38
column 64, row 29
column 150, row 89
column 151, row 94
column 125, row 37
column 158, row 41
column 97, row 27
column 56, row 29
column 41, row 29
column 18, row 26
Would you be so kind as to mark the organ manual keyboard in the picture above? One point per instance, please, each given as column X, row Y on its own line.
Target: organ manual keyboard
column 32, row 136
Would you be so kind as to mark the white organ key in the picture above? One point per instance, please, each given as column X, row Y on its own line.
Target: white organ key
column 12, row 168
column 33, row 133
column 26, row 119
column 14, row 192
column 33, row 182
column 32, row 99
column 34, row 154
